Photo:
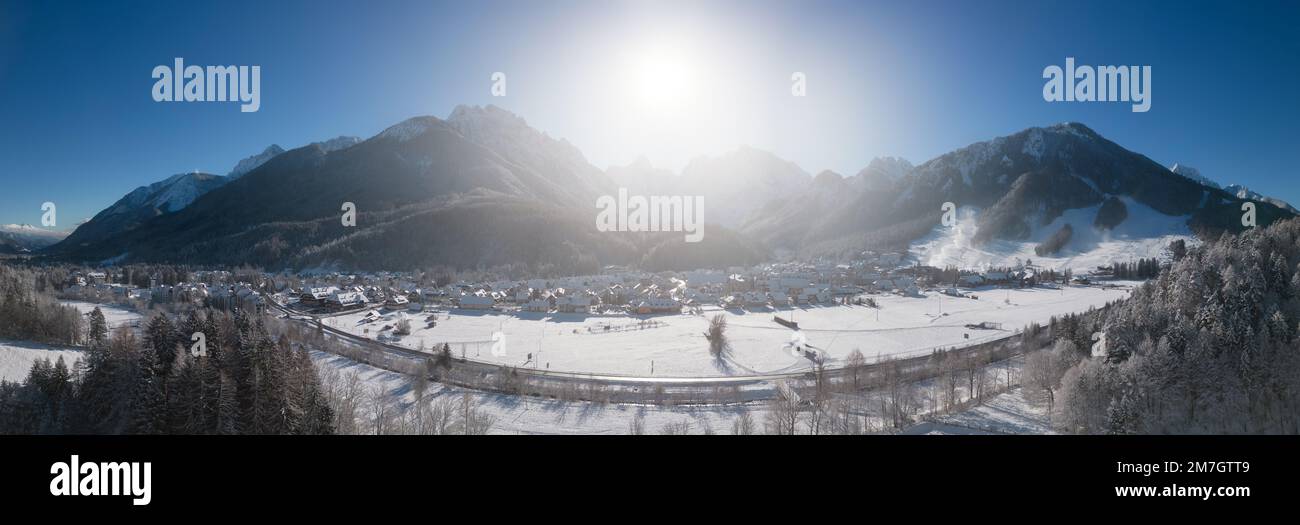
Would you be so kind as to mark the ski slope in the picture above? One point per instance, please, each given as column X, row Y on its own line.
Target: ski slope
column 1145, row 233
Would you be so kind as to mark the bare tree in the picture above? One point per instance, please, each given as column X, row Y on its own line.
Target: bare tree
column 783, row 411
column 845, row 420
column 855, row 364
column 441, row 416
column 1043, row 370
column 743, row 425
column 821, row 397
column 681, row 428
column 472, row 421
column 381, row 410
column 637, row 426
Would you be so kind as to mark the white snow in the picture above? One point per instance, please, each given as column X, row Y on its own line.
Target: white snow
column 252, row 162
column 889, row 169
column 407, row 129
column 1193, row 174
column 1034, row 145
column 16, row 358
column 31, row 237
column 1008, row 413
column 527, row 415
column 677, row 347
column 177, row 192
column 1144, row 233
column 114, row 316
column 1005, row 413
column 338, row 143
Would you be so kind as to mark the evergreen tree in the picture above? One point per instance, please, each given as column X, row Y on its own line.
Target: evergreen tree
column 160, row 337
column 98, row 328
column 148, row 406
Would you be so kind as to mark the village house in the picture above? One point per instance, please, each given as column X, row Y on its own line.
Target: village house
column 578, row 303
column 317, row 295
column 541, row 304
column 659, row 305
column 343, row 300
column 476, row 302
column 397, row 301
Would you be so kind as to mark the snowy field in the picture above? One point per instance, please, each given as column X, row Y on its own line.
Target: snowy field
column 115, row 316
column 1008, row 413
column 677, row 347
column 16, row 358
column 526, row 415
column 1005, row 413
column 1145, row 233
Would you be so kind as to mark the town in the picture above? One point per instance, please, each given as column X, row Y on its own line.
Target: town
column 618, row 291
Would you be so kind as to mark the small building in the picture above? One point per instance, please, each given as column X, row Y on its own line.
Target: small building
column 397, row 301
column 343, row 300
column 659, row 305
column 476, row 302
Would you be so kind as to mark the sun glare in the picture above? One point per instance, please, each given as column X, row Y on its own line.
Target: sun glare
column 662, row 78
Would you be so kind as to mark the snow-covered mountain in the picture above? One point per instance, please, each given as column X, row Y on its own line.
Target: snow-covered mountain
column 1194, row 174
column 1240, row 191
column 882, row 173
column 782, row 221
column 484, row 188
column 555, row 161
column 735, row 185
column 1065, row 183
column 643, row 178
column 338, row 143
column 22, row 238
column 252, row 162
column 479, row 188
column 1243, row 192
column 167, row 196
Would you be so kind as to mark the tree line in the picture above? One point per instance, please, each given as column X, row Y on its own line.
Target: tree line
column 243, row 382
column 1209, row 346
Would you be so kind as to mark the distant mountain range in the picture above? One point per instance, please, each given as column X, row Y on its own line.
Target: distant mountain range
column 1240, row 191
column 483, row 188
column 167, row 196
column 1012, row 189
column 25, row 238
column 164, row 197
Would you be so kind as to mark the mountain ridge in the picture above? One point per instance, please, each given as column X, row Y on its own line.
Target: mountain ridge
column 285, row 210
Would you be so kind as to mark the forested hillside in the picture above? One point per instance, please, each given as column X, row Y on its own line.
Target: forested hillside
column 1209, row 346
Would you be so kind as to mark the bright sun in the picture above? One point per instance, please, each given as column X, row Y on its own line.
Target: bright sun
column 661, row 78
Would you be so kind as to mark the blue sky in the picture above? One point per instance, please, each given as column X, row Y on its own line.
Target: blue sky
column 915, row 79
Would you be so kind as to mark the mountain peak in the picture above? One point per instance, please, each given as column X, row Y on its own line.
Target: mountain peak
column 338, row 143
column 252, row 162
column 464, row 113
column 1073, row 128
column 410, row 128
column 1194, row 174
column 891, row 168
column 827, row 177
